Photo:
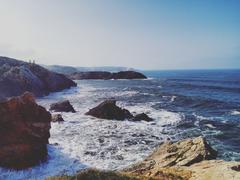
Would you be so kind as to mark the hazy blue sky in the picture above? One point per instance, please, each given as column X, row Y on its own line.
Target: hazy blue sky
column 146, row 34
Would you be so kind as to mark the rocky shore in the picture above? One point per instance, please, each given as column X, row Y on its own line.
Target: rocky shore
column 16, row 77
column 107, row 75
column 189, row 159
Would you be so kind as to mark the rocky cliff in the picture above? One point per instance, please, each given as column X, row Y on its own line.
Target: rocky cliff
column 24, row 132
column 16, row 77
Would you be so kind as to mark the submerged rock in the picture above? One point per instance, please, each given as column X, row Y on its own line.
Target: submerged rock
column 109, row 110
column 57, row 118
column 107, row 75
column 62, row 106
column 24, row 132
column 142, row 117
column 16, row 77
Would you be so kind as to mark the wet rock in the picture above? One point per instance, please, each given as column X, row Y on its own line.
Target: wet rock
column 109, row 110
column 62, row 106
column 57, row 118
column 142, row 117
column 24, row 132
column 16, row 77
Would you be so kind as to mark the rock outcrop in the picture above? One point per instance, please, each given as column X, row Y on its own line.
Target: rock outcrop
column 106, row 75
column 24, row 132
column 181, row 153
column 142, row 117
column 62, row 106
column 109, row 110
column 57, row 118
column 16, row 77
column 187, row 159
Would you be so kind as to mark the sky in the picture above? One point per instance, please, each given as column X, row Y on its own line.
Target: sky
column 143, row 34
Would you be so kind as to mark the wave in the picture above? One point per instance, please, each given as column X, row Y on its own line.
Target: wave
column 235, row 112
column 208, row 87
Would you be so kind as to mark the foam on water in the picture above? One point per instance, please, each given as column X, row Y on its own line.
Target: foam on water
column 82, row 141
column 235, row 112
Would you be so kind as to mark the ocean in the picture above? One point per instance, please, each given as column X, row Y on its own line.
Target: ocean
column 183, row 103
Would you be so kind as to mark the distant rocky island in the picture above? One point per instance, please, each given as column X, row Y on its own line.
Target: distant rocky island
column 107, row 75
column 72, row 69
column 17, row 76
column 105, row 72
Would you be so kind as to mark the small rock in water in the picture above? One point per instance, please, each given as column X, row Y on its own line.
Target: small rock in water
column 62, row 106
column 109, row 110
column 142, row 117
column 57, row 118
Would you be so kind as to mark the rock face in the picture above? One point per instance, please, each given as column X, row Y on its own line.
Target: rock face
column 181, row 159
column 16, row 77
column 182, row 153
column 106, row 75
column 109, row 110
column 142, row 117
column 24, row 132
column 62, row 106
column 57, row 118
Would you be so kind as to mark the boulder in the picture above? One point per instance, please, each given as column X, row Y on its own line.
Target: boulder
column 57, row 118
column 181, row 153
column 106, row 75
column 24, row 132
column 109, row 110
column 16, row 77
column 62, row 106
column 142, row 117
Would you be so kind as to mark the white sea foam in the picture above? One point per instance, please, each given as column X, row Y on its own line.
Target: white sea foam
column 235, row 112
column 82, row 141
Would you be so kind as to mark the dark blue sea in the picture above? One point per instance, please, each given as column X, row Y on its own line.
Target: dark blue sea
column 210, row 102
column 182, row 103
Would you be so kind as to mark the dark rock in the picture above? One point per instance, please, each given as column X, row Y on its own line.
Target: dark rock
column 24, row 132
column 128, row 75
column 142, row 117
column 62, row 106
column 57, row 118
column 16, row 77
column 109, row 110
column 106, row 75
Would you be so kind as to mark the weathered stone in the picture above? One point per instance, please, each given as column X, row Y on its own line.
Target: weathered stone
column 16, row 77
column 24, row 132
